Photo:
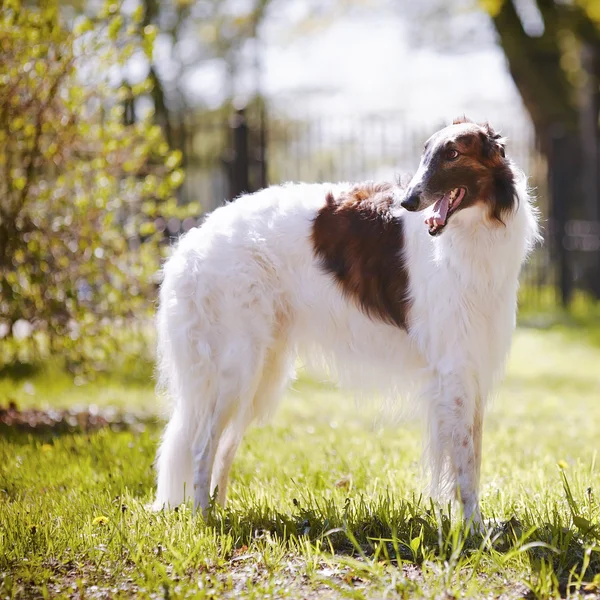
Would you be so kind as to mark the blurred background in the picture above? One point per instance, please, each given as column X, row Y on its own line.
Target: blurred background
column 121, row 123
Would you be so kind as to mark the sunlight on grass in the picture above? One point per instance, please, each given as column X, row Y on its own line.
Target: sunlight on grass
column 324, row 502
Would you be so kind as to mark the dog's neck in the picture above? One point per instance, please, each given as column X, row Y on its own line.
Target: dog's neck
column 494, row 251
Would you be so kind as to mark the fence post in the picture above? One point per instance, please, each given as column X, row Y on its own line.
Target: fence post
column 559, row 191
column 590, row 163
column 262, row 148
column 239, row 174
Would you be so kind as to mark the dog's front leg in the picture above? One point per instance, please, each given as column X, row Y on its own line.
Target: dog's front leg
column 455, row 422
column 465, row 458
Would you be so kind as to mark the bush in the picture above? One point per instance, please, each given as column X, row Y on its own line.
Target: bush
column 83, row 175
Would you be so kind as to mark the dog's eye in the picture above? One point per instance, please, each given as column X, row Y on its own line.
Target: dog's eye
column 452, row 154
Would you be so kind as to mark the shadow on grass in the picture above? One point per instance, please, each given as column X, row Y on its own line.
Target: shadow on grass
column 563, row 556
column 32, row 426
column 577, row 326
column 19, row 371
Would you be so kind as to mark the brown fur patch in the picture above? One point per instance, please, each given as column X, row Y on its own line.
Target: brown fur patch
column 486, row 151
column 360, row 243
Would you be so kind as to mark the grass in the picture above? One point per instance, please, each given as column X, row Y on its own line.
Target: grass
column 324, row 501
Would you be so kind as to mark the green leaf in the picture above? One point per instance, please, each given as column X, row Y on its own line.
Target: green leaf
column 582, row 524
column 414, row 545
column 176, row 178
column 115, row 26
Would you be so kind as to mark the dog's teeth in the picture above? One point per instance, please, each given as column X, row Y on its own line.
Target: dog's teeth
column 452, row 196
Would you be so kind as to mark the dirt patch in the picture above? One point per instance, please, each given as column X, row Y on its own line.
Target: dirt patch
column 71, row 420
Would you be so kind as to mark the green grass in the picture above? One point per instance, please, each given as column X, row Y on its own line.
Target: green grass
column 324, row 501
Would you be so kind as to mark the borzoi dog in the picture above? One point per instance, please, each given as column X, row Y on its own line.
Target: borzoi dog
column 412, row 291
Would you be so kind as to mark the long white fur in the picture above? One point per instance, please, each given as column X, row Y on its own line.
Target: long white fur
column 243, row 295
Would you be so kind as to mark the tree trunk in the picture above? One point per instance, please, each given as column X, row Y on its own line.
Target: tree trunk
column 161, row 112
column 565, row 118
column 590, row 144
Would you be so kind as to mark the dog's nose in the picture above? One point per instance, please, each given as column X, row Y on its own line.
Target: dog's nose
column 411, row 202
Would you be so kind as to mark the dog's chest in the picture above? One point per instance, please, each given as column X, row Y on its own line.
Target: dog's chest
column 462, row 313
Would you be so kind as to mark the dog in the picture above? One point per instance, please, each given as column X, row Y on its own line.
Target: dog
column 410, row 291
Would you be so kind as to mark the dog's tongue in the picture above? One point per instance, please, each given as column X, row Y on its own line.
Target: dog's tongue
column 440, row 209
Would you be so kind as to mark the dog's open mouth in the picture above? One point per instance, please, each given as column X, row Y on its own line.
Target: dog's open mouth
column 442, row 210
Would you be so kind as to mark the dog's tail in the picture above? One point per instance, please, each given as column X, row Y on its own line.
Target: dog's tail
column 183, row 378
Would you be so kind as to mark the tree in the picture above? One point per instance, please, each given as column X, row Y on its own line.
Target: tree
column 556, row 68
column 213, row 30
column 81, row 184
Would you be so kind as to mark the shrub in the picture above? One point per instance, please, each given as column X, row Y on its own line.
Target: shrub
column 83, row 175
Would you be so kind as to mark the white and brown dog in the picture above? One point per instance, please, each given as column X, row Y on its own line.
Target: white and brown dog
column 421, row 307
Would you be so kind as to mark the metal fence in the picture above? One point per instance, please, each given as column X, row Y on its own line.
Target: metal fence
column 245, row 151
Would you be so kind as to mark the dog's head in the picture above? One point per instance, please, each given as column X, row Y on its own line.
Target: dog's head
column 463, row 165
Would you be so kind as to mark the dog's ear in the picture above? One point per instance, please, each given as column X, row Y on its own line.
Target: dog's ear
column 505, row 193
column 460, row 120
column 492, row 143
column 493, row 148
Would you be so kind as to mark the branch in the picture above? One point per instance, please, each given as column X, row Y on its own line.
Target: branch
column 35, row 151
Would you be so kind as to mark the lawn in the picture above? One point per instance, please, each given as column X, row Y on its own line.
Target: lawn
column 324, row 502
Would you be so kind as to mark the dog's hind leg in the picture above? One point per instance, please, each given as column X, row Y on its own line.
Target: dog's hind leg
column 226, row 452
column 204, row 450
column 230, row 414
column 276, row 374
